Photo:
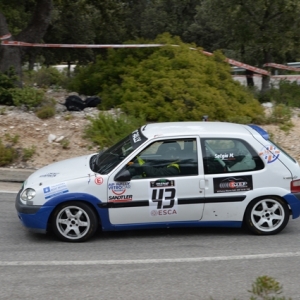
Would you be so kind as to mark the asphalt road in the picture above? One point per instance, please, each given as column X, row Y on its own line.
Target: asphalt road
column 153, row 264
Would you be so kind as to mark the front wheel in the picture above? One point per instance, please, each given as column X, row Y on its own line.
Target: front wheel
column 74, row 222
column 267, row 215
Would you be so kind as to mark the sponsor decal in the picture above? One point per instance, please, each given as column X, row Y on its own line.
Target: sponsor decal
column 122, row 198
column 162, row 183
column 136, row 136
column 233, row 184
column 119, row 188
column 98, row 180
column 49, row 175
column 269, row 153
column 55, row 190
column 225, row 156
column 163, row 200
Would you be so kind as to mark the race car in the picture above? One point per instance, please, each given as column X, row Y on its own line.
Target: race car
column 164, row 175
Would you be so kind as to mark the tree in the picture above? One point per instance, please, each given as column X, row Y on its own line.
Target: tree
column 159, row 16
column 253, row 31
column 72, row 23
column 11, row 56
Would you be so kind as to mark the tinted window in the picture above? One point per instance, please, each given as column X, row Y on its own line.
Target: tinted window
column 166, row 158
column 229, row 155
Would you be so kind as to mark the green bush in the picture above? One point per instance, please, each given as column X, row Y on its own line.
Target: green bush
column 7, row 82
column 167, row 84
column 45, row 112
column 28, row 96
column 7, row 155
column 12, row 139
column 266, row 288
column 28, row 153
column 285, row 92
column 281, row 114
column 106, row 130
column 45, row 77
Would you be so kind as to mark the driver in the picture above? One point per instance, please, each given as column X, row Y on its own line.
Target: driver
column 142, row 170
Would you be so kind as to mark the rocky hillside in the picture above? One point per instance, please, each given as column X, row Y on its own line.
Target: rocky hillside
column 60, row 137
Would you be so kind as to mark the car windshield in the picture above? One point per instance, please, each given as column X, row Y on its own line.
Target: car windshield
column 105, row 162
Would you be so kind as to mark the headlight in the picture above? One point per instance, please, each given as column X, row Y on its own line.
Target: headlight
column 28, row 194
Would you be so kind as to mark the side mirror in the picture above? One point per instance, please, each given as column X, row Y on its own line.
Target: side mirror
column 123, row 175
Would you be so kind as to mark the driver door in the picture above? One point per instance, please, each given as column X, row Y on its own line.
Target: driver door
column 159, row 199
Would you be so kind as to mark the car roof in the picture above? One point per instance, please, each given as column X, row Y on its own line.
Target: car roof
column 222, row 129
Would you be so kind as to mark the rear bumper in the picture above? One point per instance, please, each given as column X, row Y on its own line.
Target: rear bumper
column 293, row 201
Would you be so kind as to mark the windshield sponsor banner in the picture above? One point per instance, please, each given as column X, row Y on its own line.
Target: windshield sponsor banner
column 233, row 184
column 162, row 198
column 137, row 138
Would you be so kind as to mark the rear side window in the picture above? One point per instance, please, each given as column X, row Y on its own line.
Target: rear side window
column 228, row 156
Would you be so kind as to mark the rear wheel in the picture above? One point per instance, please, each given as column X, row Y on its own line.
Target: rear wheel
column 267, row 215
column 74, row 222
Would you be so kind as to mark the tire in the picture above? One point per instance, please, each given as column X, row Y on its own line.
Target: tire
column 267, row 216
column 74, row 222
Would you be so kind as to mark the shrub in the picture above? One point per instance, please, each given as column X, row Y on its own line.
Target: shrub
column 2, row 111
column 12, row 139
column 7, row 155
column 28, row 153
column 106, row 130
column 280, row 114
column 27, row 96
column 7, row 81
column 239, row 119
column 266, row 288
column 65, row 143
column 285, row 92
column 45, row 112
column 46, row 77
column 167, row 84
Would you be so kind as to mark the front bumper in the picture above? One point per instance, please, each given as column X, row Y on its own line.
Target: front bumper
column 34, row 217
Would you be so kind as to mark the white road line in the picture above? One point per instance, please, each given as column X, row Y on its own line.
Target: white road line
column 147, row 261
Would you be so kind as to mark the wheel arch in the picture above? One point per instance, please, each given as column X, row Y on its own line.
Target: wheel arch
column 263, row 197
column 88, row 199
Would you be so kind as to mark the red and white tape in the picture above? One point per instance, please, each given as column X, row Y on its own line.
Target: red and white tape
column 242, row 65
column 230, row 61
column 5, row 37
column 283, row 67
column 23, row 44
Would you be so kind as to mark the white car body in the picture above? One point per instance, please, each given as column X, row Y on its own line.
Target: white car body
column 258, row 176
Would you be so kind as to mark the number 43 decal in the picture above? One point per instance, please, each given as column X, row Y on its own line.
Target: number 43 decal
column 165, row 198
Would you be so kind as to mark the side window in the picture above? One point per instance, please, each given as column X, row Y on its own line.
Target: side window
column 166, row 158
column 229, row 155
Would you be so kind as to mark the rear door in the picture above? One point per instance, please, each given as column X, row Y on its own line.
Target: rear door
column 232, row 170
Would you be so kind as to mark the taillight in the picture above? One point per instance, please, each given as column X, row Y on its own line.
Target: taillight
column 295, row 186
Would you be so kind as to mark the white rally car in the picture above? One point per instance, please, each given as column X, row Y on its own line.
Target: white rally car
column 181, row 174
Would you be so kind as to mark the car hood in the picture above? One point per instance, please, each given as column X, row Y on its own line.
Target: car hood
column 64, row 170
